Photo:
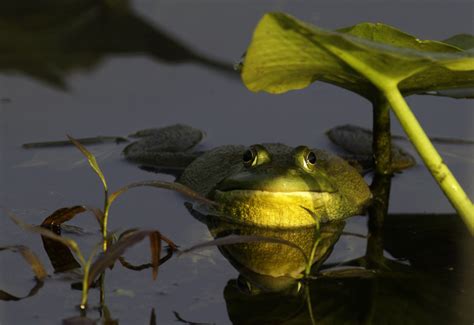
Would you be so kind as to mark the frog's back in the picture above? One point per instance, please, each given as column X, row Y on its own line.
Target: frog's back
column 204, row 173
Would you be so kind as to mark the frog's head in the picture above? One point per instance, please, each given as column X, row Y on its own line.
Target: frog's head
column 281, row 186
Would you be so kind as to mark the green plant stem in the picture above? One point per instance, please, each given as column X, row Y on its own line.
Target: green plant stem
column 382, row 142
column 307, row 271
column 85, row 291
column 309, row 304
column 430, row 156
column 86, row 266
column 106, row 218
column 380, row 186
column 102, row 291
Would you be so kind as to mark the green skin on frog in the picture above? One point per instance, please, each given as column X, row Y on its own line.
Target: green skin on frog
column 272, row 184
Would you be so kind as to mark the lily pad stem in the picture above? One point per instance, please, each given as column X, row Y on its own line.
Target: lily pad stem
column 430, row 156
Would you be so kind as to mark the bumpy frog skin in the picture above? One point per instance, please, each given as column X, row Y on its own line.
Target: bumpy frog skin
column 269, row 185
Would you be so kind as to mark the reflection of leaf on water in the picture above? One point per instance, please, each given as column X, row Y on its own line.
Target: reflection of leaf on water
column 142, row 267
column 78, row 320
column 182, row 320
column 35, row 265
column 5, row 296
column 50, row 39
column 430, row 242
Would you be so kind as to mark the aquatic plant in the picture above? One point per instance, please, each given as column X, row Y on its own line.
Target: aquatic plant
column 376, row 61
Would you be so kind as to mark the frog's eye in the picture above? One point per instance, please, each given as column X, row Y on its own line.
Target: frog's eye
column 256, row 155
column 249, row 156
column 310, row 158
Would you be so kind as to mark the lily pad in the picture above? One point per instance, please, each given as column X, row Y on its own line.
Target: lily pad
column 287, row 54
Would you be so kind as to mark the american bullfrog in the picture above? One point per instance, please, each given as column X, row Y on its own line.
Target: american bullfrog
column 268, row 184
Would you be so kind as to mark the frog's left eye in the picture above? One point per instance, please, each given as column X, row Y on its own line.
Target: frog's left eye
column 310, row 158
column 256, row 155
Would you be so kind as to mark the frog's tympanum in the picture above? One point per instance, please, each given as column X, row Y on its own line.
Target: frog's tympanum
column 269, row 184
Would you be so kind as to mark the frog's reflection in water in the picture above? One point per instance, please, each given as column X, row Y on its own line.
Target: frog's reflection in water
column 270, row 272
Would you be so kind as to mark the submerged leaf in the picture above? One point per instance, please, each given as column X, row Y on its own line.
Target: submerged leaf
column 287, row 54
column 31, row 258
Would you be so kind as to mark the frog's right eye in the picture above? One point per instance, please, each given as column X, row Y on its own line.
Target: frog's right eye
column 249, row 157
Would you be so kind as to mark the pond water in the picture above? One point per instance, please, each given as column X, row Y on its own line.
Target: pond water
column 89, row 68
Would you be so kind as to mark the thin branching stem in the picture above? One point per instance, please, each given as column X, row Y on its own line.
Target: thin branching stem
column 313, row 250
column 310, row 305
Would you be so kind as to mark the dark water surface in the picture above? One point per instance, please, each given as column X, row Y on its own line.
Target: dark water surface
column 85, row 68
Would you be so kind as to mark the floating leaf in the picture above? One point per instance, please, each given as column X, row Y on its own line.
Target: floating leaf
column 358, row 141
column 91, row 159
column 31, row 258
column 287, row 54
column 83, row 141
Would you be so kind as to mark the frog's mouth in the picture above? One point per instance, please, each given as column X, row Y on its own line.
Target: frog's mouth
column 275, row 209
column 283, row 198
column 290, row 181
